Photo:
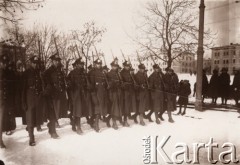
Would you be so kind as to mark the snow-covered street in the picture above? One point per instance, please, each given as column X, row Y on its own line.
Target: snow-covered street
column 123, row 146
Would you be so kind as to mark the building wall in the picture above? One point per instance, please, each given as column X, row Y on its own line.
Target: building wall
column 226, row 56
column 183, row 64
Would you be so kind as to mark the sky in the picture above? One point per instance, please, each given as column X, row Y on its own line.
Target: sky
column 120, row 17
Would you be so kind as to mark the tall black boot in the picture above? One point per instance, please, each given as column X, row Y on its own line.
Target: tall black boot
column 160, row 116
column 156, row 118
column 31, row 136
column 107, row 120
column 170, row 119
column 141, row 120
column 148, row 116
column 114, row 124
column 78, row 125
column 96, row 123
column 73, row 123
column 125, row 124
column 52, row 129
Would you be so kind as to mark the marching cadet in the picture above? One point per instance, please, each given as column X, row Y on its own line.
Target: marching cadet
column 11, row 76
column 171, row 88
column 77, row 86
column 143, row 91
column 6, row 98
column 129, row 94
column 89, row 113
column 108, row 117
column 115, row 93
column 32, row 98
column 56, row 89
column 156, row 84
column 99, row 93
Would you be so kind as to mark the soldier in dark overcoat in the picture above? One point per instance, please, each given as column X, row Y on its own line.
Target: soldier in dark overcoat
column 224, row 85
column 236, row 86
column 77, row 87
column 129, row 94
column 156, row 84
column 32, row 98
column 89, row 113
column 115, row 93
column 57, row 91
column 213, row 90
column 99, row 93
column 7, row 81
column 143, row 97
column 184, row 91
column 170, row 92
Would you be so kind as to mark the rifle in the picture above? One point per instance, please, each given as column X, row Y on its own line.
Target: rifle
column 159, row 74
column 65, row 83
column 123, row 55
column 40, row 67
column 131, row 74
column 79, row 56
column 146, row 79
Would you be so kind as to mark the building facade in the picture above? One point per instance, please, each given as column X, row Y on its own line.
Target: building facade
column 183, row 64
column 226, row 57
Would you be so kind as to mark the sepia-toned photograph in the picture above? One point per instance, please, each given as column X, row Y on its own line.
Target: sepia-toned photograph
column 119, row 82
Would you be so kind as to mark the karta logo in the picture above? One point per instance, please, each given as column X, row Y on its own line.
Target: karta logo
column 153, row 150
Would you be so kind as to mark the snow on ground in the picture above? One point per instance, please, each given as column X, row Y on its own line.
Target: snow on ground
column 124, row 146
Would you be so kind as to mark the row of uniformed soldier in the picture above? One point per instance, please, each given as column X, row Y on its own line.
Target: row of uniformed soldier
column 96, row 94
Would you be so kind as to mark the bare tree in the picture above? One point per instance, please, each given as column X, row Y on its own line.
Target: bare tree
column 169, row 29
column 11, row 9
column 86, row 39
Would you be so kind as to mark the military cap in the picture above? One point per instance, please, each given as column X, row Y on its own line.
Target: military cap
column 169, row 69
column 105, row 67
column 114, row 63
column 156, row 66
column 141, row 66
column 90, row 67
column 126, row 63
column 98, row 61
column 34, row 59
column 55, row 57
column 224, row 69
column 78, row 61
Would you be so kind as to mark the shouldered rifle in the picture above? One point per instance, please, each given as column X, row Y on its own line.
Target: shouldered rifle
column 40, row 67
column 64, row 79
column 131, row 73
column 118, row 74
column 145, row 74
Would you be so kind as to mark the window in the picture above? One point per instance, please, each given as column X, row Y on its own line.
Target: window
column 227, row 53
column 223, row 61
column 226, row 61
column 234, row 52
column 234, row 61
column 215, row 62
